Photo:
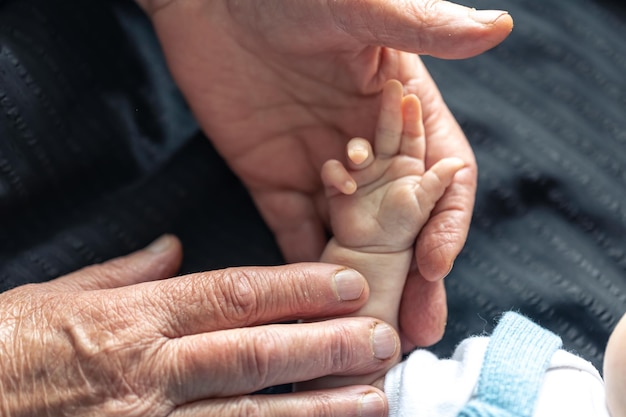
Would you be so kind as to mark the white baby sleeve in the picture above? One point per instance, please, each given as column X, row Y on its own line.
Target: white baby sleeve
column 426, row 386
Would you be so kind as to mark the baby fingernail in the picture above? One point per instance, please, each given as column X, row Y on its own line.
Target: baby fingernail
column 487, row 17
column 372, row 405
column 349, row 187
column 349, row 284
column 384, row 341
column 358, row 154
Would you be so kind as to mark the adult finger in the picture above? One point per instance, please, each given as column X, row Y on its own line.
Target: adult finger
column 343, row 402
column 161, row 259
column 423, row 311
column 276, row 354
column 248, row 296
column 445, row 233
column 439, row 28
column 443, row 237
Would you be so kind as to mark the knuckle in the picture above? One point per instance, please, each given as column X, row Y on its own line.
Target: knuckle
column 259, row 358
column 323, row 405
column 245, row 296
column 246, row 406
column 237, row 297
column 343, row 350
column 232, row 296
column 338, row 351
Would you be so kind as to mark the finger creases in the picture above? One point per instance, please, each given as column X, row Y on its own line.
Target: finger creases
column 443, row 237
column 440, row 28
column 246, row 296
column 343, row 402
column 204, row 365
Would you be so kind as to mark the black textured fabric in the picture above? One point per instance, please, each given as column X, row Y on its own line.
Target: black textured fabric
column 99, row 155
column 546, row 115
column 98, row 152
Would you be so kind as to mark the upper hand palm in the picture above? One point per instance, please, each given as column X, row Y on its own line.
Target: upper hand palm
column 385, row 214
column 279, row 86
column 277, row 107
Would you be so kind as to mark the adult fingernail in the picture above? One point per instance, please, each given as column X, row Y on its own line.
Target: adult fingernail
column 487, row 17
column 384, row 341
column 349, row 284
column 372, row 405
column 160, row 245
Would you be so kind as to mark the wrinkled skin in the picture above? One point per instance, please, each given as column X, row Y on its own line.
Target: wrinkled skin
column 121, row 339
column 280, row 86
column 378, row 204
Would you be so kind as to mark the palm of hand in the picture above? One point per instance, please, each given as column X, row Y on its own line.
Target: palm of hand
column 278, row 106
column 388, row 209
column 381, row 202
column 278, row 86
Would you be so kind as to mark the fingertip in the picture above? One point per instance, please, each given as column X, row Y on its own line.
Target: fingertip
column 442, row 273
column 349, row 187
column 411, row 102
column 334, row 175
column 349, row 285
column 372, row 404
column 162, row 244
column 385, row 342
column 457, row 162
column 357, row 154
column 436, row 271
column 412, row 110
column 479, row 31
column 497, row 23
column 426, row 300
column 165, row 255
column 360, row 153
column 392, row 85
column 393, row 91
column 169, row 251
column 491, row 17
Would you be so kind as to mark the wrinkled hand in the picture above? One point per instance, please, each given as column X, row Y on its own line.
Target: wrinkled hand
column 280, row 86
column 118, row 339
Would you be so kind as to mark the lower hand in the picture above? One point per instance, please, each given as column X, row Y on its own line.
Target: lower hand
column 121, row 339
column 279, row 86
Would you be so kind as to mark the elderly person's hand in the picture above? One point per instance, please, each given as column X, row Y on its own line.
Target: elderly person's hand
column 119, row 339
column 279, row 86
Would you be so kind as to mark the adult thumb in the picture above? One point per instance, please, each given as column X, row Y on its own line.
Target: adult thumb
column 439, row 28
column 161, row 259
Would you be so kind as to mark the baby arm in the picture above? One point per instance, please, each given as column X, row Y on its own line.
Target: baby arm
column 378, row 201
column 381, row 198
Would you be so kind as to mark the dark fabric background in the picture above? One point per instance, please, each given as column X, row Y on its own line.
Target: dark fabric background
column 546, row 115
column 99, row 155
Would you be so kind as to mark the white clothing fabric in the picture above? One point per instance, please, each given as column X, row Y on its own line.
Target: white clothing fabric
column 426, row 386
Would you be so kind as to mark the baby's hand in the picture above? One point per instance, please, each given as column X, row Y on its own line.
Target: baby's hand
column 383, row 198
